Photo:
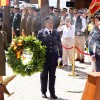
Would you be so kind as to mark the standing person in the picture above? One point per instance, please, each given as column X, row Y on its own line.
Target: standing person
column 3, row 47
column 23, row 20
column 64, row 14
column 57, row 18
column 95, row 42
column 80, row 26
column 16, row 21
column 11, row 14
column 51, row 39
column 36, row 22
column 51, row 11
column 1, row 17
column 67, row 40
column 29, row 21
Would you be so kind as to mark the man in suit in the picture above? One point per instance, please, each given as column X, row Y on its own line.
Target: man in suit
column 16, row 21
column 51, row 39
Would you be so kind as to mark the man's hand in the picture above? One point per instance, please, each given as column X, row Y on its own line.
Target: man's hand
column 93, row 58
column 78, row 33
column 59, row 59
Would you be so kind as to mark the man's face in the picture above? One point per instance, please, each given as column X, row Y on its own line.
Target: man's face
column 16, row 10
column 30, row 11
column 49, row 24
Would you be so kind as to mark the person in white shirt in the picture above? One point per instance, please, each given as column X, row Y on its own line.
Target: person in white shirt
column 67, row 40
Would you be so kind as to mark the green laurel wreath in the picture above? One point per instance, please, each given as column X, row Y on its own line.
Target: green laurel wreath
column 38, row 55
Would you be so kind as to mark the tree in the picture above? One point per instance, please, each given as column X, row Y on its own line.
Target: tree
column 58, row 4
column 17, row 2
column 6, row 23
column 44, row 5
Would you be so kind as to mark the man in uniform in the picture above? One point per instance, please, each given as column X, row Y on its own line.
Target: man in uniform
column 57, row 18
column 16, row 21
column 23, row 20
column 29, row 21
column 51, row 39
column 36, row 22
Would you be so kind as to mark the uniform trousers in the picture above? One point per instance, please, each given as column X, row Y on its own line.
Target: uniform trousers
column 80, row 43
column 1, row 93
column 68, row 53
column 97, row 63
column 49, row 69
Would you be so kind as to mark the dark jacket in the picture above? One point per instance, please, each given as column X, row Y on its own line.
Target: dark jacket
column 52, row 42
column 23, row 22
column 36, row 24
column 16, row 21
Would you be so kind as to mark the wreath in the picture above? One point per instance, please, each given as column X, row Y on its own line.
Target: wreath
column 26, row 45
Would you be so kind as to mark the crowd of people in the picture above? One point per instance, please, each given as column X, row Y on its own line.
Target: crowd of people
column 68, row 27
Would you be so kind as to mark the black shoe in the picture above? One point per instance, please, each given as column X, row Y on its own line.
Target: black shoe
column 53, row 96
column 82, row 61
column 77, row 59
column 44, row 95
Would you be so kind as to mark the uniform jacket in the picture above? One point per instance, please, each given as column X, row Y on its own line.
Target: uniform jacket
column 16, row 21
column 23, row 23
column 52, row 42
column 3, row 47
column 95, row 41
column 56, row 22
column 29, row 24
column 11, row 18
column 36, row 24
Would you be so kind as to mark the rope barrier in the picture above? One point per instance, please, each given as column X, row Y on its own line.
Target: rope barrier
column 66, row 47
column 76, row 48
column 81, row 51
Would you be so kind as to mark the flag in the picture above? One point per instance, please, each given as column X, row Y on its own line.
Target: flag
column 94, row 6
column 4, row 2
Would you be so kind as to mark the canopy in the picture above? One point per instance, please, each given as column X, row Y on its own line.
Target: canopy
column 4, row 2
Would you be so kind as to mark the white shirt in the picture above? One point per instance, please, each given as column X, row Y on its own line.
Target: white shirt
column 48, row 30
column 67, row 32
column 83, row 23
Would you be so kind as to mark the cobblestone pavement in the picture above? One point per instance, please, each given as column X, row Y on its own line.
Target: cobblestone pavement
column 67, row 87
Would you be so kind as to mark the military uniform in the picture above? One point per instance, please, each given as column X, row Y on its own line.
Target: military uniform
column 16, row 23
column 95, row 41
column 3, row 46
column 53, row 51
column 29, row 24
column 36, row 24
column 56, row 21
column 23, row 22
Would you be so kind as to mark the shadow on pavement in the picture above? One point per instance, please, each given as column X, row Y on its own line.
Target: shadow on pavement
column 57, row 99
column 78, row 70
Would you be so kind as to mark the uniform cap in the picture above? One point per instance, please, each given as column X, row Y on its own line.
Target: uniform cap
column 80, row 11
column 48, row 18
column 16, row 7
column 64, row 10
column 56, row 10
